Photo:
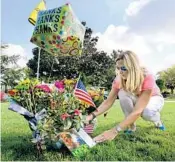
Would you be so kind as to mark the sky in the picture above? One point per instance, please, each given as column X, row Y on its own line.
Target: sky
column 147, row 27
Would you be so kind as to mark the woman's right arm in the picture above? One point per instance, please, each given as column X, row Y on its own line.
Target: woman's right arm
column 106, row 104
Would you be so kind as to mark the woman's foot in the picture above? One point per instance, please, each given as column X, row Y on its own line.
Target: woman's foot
column 127, row 131
column 159, row 125
column 131, row 129
column 162, row 127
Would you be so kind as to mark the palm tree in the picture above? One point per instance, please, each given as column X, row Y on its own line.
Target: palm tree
column 9, row 75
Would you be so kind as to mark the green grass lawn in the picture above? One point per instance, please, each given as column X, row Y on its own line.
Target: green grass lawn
column 170, row 99
column 147, row 143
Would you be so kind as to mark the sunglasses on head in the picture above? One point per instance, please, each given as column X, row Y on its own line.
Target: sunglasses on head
column 122, row 68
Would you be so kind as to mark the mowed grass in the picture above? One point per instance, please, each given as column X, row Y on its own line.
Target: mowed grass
column 147, row 143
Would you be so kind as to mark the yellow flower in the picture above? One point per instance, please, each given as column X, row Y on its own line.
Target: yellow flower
column 69, row 81
column 26, row 81
column 35, row 82
column 65, row 102
column 84, row 104
column 93, row 93
column 96, row 98
column 15, row 90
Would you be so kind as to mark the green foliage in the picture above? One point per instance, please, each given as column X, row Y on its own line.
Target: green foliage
column 97, row 67
column 10, row 76
column 146, row 144
column 168, row 76
column 6, row 60
column 160, row 84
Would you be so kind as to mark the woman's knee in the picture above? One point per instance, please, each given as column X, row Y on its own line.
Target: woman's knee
column 126, row 102
column 126, row 98
column 122, row 95
column 150, row 115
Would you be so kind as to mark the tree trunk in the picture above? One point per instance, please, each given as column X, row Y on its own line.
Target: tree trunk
column 172, row 90
column 5, row 88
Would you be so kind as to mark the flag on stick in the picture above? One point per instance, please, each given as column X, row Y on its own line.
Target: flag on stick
column 33, row 16
column 81, row 93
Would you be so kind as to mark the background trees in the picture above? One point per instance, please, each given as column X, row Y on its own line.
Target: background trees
column 10, row 74
column 97, row 67
column 168, row 77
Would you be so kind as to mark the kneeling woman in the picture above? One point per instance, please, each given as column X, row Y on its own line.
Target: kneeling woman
column 138, row 95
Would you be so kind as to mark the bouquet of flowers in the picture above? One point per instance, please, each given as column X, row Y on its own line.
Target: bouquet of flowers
column 49, row 108
column 97, row 95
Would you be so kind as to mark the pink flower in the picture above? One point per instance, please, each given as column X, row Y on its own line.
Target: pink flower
column 43, row 87
column 60, row 86
column 77, row 112
column 64, row 116
column 61, row 90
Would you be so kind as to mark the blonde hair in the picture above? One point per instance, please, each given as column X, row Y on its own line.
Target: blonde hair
column 135, row 72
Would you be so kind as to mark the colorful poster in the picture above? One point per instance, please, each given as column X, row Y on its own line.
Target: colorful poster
column 77, row 142
column 59, row 32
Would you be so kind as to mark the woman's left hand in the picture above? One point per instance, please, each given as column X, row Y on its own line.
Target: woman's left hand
column 106, row 136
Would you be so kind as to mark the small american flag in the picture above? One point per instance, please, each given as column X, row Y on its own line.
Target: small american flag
column 81, row 93
column 89, row 129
